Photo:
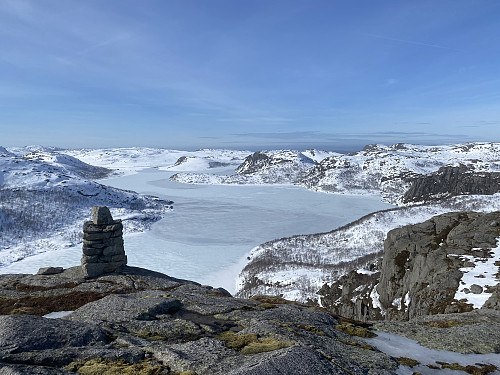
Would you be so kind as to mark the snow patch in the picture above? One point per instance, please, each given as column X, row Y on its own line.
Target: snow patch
column 482, row 273
column 57, row 314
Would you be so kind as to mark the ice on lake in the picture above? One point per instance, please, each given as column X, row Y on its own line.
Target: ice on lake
column 212, row 228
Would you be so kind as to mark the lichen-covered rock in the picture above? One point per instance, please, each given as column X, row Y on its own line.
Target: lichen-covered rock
column 138, row 319
column 422, row 271
column 421, row 267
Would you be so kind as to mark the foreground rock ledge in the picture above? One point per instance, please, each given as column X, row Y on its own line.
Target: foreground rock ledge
column 144, row 322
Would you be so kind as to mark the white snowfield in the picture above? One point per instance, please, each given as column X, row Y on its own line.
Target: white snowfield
column 297, row 267
column 132, row 159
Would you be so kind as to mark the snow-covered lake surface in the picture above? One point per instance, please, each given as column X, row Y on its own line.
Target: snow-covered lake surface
column 213, row 227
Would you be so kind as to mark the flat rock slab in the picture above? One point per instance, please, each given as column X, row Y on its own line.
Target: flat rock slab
column 126, row 307
column 22, row 333
column 50, row 270
column 289, row 361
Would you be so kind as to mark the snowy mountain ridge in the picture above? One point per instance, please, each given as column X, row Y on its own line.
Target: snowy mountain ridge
column 389, row 170
column 263, row 167
column 377, row 169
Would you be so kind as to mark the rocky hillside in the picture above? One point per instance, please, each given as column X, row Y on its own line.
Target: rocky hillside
column 141, row 322
column 390, row 170
column 448, row 264
column 262, row 167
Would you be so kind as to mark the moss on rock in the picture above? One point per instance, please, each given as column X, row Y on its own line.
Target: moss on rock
column 353, row 330
column 250, row 343
column 98, row 366
column 405, row 361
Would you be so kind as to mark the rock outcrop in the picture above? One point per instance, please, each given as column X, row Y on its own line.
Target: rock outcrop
column 276, row 166
column 352, row 296
column 450, row 181
column 448, row 264
column 103, row 250
column 136, row 321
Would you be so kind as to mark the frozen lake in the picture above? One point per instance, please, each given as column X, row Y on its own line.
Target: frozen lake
column 213, row 227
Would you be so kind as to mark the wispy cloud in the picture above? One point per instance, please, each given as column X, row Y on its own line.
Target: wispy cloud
column 284, row 135
column 374, row 136
column 257, row 119
column 106, row 43
column 406, row 41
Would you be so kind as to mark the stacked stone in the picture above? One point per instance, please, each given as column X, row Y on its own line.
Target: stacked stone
column 103, row 250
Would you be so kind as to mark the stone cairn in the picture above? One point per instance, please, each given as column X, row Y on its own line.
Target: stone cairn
column 103, row 250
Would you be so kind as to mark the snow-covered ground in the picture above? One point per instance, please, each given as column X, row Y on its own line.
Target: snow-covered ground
column 481, row 272
column 133, row 159
column 263, row 167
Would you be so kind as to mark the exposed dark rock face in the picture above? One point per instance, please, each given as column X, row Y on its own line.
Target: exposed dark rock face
column 422, row 269
column 450, row 181
column 49, row 334
column 259, row 161
column 351, row 297
column 144, row 319
column 181, row 161
column 253, row 163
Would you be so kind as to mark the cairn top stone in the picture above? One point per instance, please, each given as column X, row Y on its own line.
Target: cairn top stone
column 101, row 215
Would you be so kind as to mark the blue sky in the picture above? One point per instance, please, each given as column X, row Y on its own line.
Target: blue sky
column 248, row 74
